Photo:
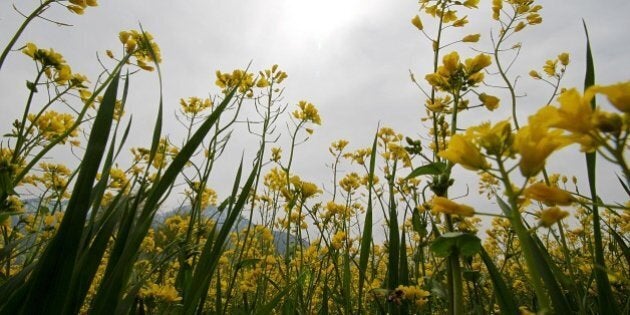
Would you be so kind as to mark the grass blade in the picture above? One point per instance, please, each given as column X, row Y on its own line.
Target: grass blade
column 211, row 253
column 112, row 287
column 505, row 299
column 51, row 279
column 366, row 238
column 605, row 297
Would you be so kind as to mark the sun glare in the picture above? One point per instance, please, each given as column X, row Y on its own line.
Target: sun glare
column 319, row 18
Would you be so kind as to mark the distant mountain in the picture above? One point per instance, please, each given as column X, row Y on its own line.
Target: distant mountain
column 212, row 212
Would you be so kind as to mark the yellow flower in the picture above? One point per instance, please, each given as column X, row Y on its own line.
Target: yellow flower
column 447, row 206
column 550, row 216
column 439, row 104
column 549, row 195
column 338, row 239
column 478, row 63
column 534, row 74
column 52, row 124
column 520, row 26
column 166, row 293
column 471, row 3
column 262, row 82
column 30, row 50
column 350, row 182
column 276, row 154
column 574, row 114
column 618, row 95
column 550, row 67
column 463, row 151
column 142, row 46
column 564, row 59
column 194, row 105
column 497, row 5
column 494, row 139
column 461, row 22
column 226, row 81
column 489, row 101
column 534, row 18
column 76, row 9
column 472, row 38
column 417, row 22
column 307, row 112
column 535, row 144
column 449, row 16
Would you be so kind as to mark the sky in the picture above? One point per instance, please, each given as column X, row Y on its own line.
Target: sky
column 350, row 58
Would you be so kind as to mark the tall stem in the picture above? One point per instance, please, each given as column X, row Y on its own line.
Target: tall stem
column 17, row 34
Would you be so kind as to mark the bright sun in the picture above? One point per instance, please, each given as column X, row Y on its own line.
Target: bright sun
column 319, row 18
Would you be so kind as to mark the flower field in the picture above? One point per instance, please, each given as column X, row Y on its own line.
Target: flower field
column 388, row 235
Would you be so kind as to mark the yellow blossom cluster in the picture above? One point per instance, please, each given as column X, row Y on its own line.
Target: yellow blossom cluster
column 238, row 78
column 54, row 67
column 141, row 46
column 271, row 76
column 78, row 6
column 307, row 112
column 194, row 105
column 52, row 125
column 453, row 75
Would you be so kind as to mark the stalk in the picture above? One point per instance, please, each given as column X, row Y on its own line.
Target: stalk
column 18, row 33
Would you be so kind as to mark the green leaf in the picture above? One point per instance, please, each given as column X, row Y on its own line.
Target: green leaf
column 605, row 298
column 465, row 244
column 51, row 279
column 366, row 238
column 434, row 168
column 505, row 299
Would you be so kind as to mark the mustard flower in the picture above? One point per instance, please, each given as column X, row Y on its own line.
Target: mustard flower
column 534, row 74
column 166, row 293
column 489, row 101
column 417, row 22
column 461, row 150
column 471, row 3
column 564, row 59
column 497, row 5
column 447, row 206
column 52, row 124
column 194, row 105
column 338, row 239
column 472, row 38
column 494, row 139
column 551, row 216
column 618, row 95
column 461, row 22
column 550, row 67
column 478, row 63
column 549, row 195
column 307, row 112
column 534, row 144
column 276, row 154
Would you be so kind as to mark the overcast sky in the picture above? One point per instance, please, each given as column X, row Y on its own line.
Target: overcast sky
column 351, row 58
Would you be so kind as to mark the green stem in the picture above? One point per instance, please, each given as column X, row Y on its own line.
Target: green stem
column 17, row 34
column 20, row 135
column 504, row 75
column 527, row 244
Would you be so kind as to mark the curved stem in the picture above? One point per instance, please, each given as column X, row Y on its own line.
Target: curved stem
column 17, row 34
